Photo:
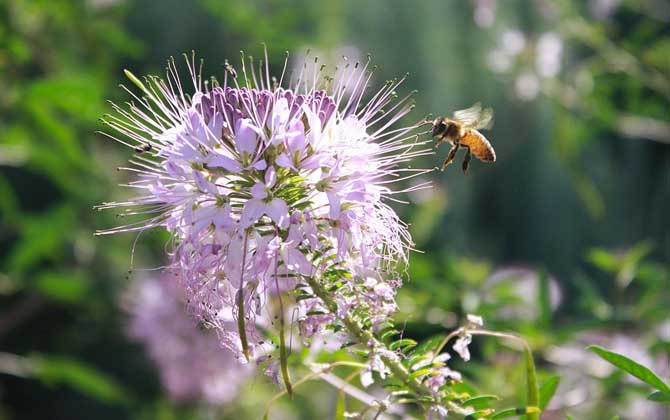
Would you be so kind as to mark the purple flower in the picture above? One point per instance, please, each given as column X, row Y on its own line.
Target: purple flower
column 190, row 361
column 263, row 187
column 262, row 203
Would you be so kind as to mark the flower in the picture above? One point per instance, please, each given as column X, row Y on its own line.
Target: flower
column 191, row 363
column 265, row 188
column 465, row 338
column 549, row 51
column 484, row 13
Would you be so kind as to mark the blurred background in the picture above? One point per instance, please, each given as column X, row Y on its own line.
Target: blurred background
column 565, row 240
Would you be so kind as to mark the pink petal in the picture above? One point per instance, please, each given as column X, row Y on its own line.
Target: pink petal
column 203, row 184
column 280, row 114
column 335, row 205
column 284, row 161
column 270, row 177
column 296, row 261
column 252, row 211
column 314, row 126
column 246, row 136
column 278, row 212
column 226, row 163
column 260, row 165
column 295, row 137
column 258, row 191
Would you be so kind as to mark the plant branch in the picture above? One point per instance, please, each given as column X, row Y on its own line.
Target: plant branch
column 366, row 338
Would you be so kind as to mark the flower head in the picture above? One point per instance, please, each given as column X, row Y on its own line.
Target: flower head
column 262, row 186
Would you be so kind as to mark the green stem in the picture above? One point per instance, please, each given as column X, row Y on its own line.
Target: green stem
column 283, row 352
column 320, row 371
column 532, row 390
column 241, row 328
column 366, row 338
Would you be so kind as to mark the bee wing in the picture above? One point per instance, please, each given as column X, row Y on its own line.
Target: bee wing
column 475, row 117
column 469, row 116
column 479, row 146
column 485, row 120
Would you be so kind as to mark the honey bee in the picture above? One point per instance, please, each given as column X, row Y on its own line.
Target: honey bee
column 462, row 131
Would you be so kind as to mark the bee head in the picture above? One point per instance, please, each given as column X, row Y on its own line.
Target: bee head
column 439, row 127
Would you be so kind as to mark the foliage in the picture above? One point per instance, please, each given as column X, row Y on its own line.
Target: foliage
column 563, row 241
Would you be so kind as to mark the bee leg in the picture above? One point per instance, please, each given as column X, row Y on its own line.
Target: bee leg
column 466, row 160
column 450, row 156
column 441, row 140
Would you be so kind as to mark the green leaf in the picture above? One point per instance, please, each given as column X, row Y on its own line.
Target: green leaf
column 420, row 372
column 632, row 367
column 547, row 390
column 340, row 407
column 658, row 396
column 80, row 376
column 532, row 391
column 512, row 412
column 480, row 401
column 404, row 343
column 67, row 287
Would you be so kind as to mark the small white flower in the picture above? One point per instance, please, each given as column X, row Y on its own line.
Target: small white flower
column 461, row 346
column 475, row 320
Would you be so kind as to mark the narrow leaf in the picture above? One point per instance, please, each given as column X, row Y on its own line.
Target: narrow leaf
column 78, row 375
column 547, row 390
column 532, row 391
column 632, row 367
column 658, row 396
column 404, row 343
column 481, row 401
column 512, row 412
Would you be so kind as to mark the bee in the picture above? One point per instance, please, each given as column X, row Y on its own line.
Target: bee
column 461, row 130
column 143, row 148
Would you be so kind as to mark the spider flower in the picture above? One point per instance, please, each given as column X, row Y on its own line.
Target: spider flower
column 263, row 186
column 191, row 363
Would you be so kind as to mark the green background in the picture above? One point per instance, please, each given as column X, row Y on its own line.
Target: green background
column 578, row 198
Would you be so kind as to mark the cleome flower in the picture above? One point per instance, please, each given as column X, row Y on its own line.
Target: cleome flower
column 267, row 189
column 190, row 361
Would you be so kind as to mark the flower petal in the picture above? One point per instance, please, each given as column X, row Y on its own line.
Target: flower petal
column 220, row 161
column 258, row 191
column 252, row 211
column 278, row 212
column 270, row 177
column 246, row 136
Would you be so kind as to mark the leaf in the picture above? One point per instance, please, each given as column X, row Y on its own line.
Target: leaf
column 420, row 372
column 404, row 343
column 80, row 376
column 67, row 287
column 532, row 392
column 480, row 401
column 632, row 367
column 547, row 390
column 340, row 407
column 512, row 412
column 658, row 396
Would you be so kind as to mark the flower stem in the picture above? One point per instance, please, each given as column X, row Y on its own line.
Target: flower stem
column 532, row 390
column 241, row 327
column 366, row 338
column 283, row 353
